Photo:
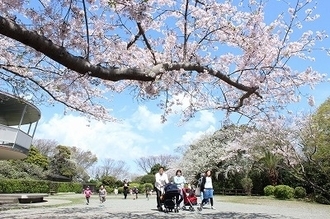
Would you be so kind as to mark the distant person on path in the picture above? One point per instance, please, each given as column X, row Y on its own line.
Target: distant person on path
column 102, row 194
column 116, row 191
column 161, row 179
column 207, row 188
column 147, row 193
column 135, row 192
column 125, row 188
column 87, row 193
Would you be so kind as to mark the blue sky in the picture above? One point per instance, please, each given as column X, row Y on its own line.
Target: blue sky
column 140, row 131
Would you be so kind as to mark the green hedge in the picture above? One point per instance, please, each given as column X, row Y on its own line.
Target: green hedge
column 269, row 190
column 283, row 192
column 37, row 186
column 300, row 192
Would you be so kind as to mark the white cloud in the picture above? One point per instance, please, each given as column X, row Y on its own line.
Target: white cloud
column 206, row 119
column 107, row 140
column 146, row 120
column 140, row 134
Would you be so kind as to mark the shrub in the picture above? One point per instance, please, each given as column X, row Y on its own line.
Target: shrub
column 247, row 185
column 109, row 189
column 283, row 192
column 269, row 190
column 137, row 185
column 147, row 179
column 120, row 190
column 69, row 187
column 299, row 192
column 37, row 186
column 321, row 199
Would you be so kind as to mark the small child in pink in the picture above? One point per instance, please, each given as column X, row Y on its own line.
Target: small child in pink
column 87, row 193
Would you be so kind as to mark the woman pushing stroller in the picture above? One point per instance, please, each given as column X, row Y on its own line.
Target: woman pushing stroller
column 161, row 179
column 180, row 181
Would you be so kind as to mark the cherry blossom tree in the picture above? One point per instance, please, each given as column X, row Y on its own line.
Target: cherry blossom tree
column 213, row 150
column 223, row 55
column 296, row 144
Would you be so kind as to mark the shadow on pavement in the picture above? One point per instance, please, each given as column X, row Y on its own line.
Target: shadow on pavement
column 75, row 213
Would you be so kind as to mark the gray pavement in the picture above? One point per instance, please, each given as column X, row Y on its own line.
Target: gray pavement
column 117, row 207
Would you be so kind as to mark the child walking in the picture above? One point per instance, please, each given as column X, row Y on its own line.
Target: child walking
column 102, row 194
column 87, row 193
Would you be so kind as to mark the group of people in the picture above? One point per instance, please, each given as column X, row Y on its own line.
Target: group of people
column 161, row 180
column 205, row 185
column 102, row 194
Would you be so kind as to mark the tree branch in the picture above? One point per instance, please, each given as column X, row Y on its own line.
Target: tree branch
column 82, row 66
column 87, row 30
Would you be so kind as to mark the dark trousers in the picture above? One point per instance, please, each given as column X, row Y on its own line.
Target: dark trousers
column 158, row 193
column 207, row 200
column 125, row 193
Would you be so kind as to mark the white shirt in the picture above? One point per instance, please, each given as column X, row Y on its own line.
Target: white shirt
column 208, row 183
column 161, row 180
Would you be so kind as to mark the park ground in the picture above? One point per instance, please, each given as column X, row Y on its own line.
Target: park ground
column 73, row 206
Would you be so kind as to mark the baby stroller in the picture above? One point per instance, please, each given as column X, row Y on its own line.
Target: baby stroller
column 189, row 199
column 171, row 198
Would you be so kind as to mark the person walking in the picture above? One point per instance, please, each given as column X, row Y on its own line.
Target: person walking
column 147, row 193
column 102, row 194
column 135, row 192
column 207, row 189
column 161, row 179
column 116, row 191
column 199, row 187
column 125, row 188
column 179, row 181
column 87, row 193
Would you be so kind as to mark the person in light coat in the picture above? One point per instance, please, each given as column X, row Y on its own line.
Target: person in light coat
column 161, row 179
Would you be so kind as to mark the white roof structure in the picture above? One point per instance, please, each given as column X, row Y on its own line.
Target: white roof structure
column 16, row 114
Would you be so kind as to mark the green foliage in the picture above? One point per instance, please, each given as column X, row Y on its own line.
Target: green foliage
column 321, row 199
column 300, row 192
column 69, row 187
column 131, row 185
column 247, row 185
column 120, row 190
column 37, row 186
column 155, row 169
column 270, row 163
column 35, row 157
column 283, row 192
column 20, row 170
column 118, row 183
column 269, row 190
column 109, row 189
column 108, row 181
column 148, row 186
column 316, row 148
column 61, row 164
column 260, row 181
column 147, row 179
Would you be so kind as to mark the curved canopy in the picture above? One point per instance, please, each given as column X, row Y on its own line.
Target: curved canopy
column 12, row 108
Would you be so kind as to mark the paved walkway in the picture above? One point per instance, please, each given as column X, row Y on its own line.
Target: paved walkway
column 118, row 208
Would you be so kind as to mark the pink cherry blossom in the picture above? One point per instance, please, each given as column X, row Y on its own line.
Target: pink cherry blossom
column 216, row 54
